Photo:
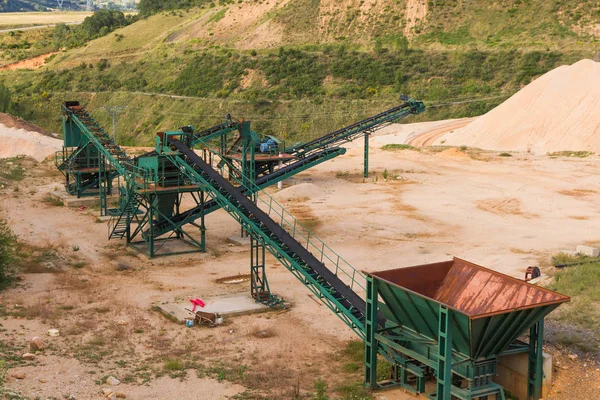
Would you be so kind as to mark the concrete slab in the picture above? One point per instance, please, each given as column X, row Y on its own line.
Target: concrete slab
column 239, row 241
column 88, row 201
column 225, row 306
column 588, row 251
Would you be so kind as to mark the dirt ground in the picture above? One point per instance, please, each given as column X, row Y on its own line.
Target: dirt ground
column 416, row 207
column 30, row 63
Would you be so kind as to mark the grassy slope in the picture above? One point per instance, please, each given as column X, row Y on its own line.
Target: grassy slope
column 580, row 319
column 540, row 24
column 343, row 77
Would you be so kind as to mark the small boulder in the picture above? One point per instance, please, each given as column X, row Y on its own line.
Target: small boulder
column 111, row 380
column 107, row 392
column 573, row 357
column 28, row 356
column 18, row 375
column 36, row 344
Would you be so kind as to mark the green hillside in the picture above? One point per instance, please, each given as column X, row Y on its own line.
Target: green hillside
column 299, row 68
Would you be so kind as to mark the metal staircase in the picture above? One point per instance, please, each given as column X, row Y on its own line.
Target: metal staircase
column 118, row 226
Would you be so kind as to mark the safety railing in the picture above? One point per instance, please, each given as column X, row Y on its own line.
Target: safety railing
column 332, row 260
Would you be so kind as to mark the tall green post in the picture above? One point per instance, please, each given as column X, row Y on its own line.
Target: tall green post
column 370, row 329
column 536, row 361
column 366, row 164
column 444, row 370
column 202, row 226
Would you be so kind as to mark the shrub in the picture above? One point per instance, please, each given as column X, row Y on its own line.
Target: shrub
column 5, row 99
column 8, row 256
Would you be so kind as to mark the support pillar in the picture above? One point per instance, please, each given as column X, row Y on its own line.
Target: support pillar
column 536, row 362
column 259, row 285
column 444, row 370
column 153, row 203
column 102, row 185
column 366, row 163
column 202, row 226
column 371, row 343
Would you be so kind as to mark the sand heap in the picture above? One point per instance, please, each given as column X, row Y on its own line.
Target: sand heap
column 558, row 111
column 16, row 141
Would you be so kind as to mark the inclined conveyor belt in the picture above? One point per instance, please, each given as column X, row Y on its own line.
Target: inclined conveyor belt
column 286, row 243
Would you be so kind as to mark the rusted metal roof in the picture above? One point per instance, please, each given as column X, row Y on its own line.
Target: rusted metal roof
column 471, row 289
column 478, row 291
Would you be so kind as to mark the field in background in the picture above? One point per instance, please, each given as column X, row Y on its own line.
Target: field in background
column 15, row 20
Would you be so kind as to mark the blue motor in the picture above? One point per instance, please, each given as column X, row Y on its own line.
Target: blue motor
column 266, row 146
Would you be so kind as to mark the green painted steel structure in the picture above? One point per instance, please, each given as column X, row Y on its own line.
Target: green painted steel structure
column 455, row 318
column 423, row 329
column 235, row 150
column 425, row 321
column 151, row 188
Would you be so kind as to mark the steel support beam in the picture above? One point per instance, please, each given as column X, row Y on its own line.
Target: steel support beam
column 202, row 225
column 371, row 343
column 444, row 369
column 366, row 163
column 536, row 361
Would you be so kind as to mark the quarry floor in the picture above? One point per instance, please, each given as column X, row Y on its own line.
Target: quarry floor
column 416, row 207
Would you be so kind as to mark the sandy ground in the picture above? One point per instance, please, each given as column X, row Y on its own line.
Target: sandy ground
column 503, row 213
column 30, row 63
column 416, row 11
column 16, row 142
column 249, row 21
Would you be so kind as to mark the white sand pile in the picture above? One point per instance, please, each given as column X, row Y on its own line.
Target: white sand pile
column 300, row 191
column 15, row 142
column 558, row 111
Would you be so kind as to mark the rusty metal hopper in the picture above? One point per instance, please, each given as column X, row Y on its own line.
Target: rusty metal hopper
column 491, row 310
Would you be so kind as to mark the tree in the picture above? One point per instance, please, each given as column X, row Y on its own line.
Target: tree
column 102, row 22
column 5, row 99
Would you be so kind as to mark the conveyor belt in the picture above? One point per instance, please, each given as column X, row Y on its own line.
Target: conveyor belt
column 276, row 239
column 162, row 227
column 360, row 128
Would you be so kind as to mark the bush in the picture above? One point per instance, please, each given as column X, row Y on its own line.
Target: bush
column 5, row 99
column 8, row 243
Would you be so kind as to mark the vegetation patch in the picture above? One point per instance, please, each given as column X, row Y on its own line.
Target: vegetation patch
column 394, row 147
column 52, row 201
column 577, row 154
column 12, row 170
column 579, row 320
column 8, row 254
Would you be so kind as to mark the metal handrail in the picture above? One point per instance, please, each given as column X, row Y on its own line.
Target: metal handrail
column 302, row 234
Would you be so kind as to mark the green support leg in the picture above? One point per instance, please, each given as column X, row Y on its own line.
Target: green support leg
column 153, row 203
column 444, row 370
column 366, row 166
column 536, row 361
column 370, row 329
column 202, row 226
column 102, row 185
column 259, row 285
